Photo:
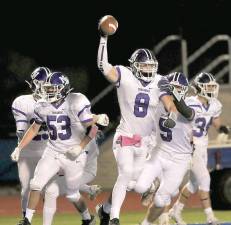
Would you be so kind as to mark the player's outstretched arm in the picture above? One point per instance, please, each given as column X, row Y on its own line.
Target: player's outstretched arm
column 107, row 26
column 27, row 138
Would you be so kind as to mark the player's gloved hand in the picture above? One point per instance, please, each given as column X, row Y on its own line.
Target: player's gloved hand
column 103, row 120
column 175, row 93
column 224, row 129
column 101, row 33
column 170, row 122
column 74, row 152
column 15, row 154
column 164, row 85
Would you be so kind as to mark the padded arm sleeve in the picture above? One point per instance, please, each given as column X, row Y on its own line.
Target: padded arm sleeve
column 185, row 110
column 102, row 59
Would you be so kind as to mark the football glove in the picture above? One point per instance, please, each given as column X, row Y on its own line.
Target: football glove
column 74, row 152
column 103, row 120
column 224, row 129
column 170, row 122
column 15, row 154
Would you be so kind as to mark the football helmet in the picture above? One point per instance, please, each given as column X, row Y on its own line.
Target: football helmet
column 180, row 82
column 143, row 64
column 38, row 77
column 206, row 85
column 56, row 87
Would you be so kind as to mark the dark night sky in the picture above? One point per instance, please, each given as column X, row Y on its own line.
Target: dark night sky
column 60, row 34
column 64, row 34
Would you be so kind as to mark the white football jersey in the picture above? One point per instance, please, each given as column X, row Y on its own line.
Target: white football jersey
column 138, row 102
column 23, row 111
column 65, row 121
column 203, row 118
column 178, row 139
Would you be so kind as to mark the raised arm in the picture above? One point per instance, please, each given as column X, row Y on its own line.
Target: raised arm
column 105, row 67
column 181, row 106
column 167, row 101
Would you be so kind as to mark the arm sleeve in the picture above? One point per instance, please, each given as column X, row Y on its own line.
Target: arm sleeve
column 37, row 115
column 184, row 110
column 164, row 87
column 83, row 110
column 20, row 116
column 218, row 110
column 102, row 58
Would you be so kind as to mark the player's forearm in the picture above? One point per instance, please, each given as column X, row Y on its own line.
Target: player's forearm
column 170, row 122
column 85, row 141
column 216, row 123
column 91, row 133
column 102, row 62
column 184, row 110
column 29, row 135
column 168, row 104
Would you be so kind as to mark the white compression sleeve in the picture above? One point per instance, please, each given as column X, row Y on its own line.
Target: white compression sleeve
column 102, row 59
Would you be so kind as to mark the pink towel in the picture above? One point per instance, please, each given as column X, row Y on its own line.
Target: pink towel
column 130, row 141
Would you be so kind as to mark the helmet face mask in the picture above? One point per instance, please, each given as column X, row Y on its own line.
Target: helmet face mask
column 206, row 86
column 144, row 65
column 180, row 82
column 38, row 77
column 56, row 87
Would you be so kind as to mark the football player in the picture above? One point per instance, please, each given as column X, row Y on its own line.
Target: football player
column 23, row 111
column 57, row 187
column 71, row 126
column 139, row 90
column 171, row 157
column 209, row 114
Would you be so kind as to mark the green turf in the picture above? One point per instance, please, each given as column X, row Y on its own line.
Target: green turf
column 190, row 216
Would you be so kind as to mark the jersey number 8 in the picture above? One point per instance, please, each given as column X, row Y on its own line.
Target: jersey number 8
column 141, row 105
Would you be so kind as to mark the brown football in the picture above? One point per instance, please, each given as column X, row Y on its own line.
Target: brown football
column 108, row 25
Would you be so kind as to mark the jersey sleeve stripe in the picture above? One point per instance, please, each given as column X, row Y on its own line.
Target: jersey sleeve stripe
column 195, row 106
column 19, row 111
column 87, row 120
column 21, row 121
column 81, row 111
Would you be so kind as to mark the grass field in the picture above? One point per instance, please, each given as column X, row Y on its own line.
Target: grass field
column 190, row 216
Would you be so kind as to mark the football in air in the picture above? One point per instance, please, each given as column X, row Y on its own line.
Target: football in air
column 108, row 25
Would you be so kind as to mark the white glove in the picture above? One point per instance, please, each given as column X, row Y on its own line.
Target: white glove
column 15, row 154
column 74, row 152
column 175, row 93
column 103, row 120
